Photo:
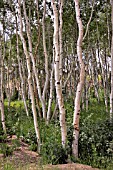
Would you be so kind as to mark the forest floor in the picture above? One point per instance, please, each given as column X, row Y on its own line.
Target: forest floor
column 25, row 159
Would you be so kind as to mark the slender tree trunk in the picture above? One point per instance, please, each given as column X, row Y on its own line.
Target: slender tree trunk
column 37, row 98
column 1, row 84
column 108, row 29
column 28, row 28
column 8, row 79
column 60, row 38
column 45, row 52
column 68, row 77
column 29, row 77
column 87, row 93
column 104, row 77
column 111, row 95
column 57, row 76
column 80, row 84
column 20, row 71
column 50, row 96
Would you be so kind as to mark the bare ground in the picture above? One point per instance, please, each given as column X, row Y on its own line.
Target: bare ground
column 24, row 159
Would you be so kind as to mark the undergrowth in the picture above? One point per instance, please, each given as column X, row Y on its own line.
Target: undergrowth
column 95, row 140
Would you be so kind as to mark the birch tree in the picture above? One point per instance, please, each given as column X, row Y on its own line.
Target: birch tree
column 28, row 29
column 111, row 95
column 20, row 71
column 29, row 75
column 60, row 38
column 45, row 52
column 57, row 75
column 80, row 84
column 1, row 84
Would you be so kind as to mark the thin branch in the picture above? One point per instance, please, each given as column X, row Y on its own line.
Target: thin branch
column 89, row 20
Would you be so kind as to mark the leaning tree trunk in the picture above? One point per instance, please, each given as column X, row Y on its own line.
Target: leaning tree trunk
column 29, row 77
column 80, row 84
column 57, row 76
column 28, row 29
column 20, row 71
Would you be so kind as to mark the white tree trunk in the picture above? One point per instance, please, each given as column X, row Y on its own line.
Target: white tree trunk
column 57, row 76
column 60, row 39
column 28, row 28
column 45, row 52
column 29, row 77
column 111, row 95
column 37, row 98
column 20, row 71
column 8, row 79
column 80, row 84
column 50, row 96
column 104, row 76
column 1, row 85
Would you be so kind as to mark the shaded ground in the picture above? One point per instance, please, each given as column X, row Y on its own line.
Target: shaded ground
column 71, row 167
column 21, row 155
column 59, row 167
column 24, row 159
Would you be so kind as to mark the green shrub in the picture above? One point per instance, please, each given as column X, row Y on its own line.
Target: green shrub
column 53, row 153
column 5, row 149
column 51, row 149
column 15, row 95
column 96, row 143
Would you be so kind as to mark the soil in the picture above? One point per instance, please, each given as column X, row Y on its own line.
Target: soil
column 23, row 157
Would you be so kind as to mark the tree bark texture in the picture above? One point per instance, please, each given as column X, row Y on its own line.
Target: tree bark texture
column 111, row 95
column 45, row 52
column 1, row 83
column 20, row 72
column 80, row 84
column 60, row 38
column 29, row 77
column 28, row 29
column 57, row 75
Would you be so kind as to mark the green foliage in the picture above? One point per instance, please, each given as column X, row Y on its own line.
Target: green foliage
column 8, row 166
column 96, row 143
column 29, row 137
column 15, row 95
column 5, row 149
column 54, row 153
column 33, row 146
column 16, row 119
column 51, row 150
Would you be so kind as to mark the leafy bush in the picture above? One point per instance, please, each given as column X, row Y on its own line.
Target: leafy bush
column 5, row 149
column 15, row 95
column 54, row 153
column 51, row 150
column 96, row 142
